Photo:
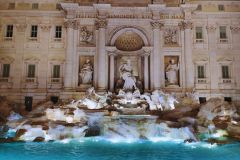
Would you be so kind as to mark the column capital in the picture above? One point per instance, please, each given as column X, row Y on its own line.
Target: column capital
column 111, row 51
column 45, row 27
column 211, row 28
column 101, row 23
column 185, row 25
column 21, row 27
column 156, row 24
column 147, row 50
column 235, row 29
column 70, row 23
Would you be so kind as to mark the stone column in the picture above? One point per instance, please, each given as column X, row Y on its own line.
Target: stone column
column 146, row 54
column 213, row 66
column 157, row 48
column 69, row 54
column 111, row 70
column 17, row 65
column 189, row 67
column 101, row 55
column 43, row 71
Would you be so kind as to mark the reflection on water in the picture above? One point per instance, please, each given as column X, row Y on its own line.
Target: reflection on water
column 102, row 149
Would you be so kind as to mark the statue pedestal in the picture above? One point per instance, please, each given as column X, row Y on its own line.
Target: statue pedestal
column 172, row 86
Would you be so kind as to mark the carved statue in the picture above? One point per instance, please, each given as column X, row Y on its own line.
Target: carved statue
column 86, row 73
column 85, row 35
column 126, row 74
column 171, row 72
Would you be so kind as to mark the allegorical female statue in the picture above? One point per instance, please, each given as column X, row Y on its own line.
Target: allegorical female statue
column 86, row 73
column 126, row 74
column 172, row 72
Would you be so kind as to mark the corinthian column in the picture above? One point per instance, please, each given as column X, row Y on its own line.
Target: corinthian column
column 69, row 24
column 157, row 49
column 111, row 54
column 189, row 67
column 101, row 55
column 146, row 54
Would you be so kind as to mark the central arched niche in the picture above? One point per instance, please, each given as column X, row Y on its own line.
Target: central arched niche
column 129, row 41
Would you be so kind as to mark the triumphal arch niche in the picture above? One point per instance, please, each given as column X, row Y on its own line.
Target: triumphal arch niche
column 129, row 60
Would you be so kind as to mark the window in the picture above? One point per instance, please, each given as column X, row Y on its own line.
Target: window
column 56, row 71
column 34, row 31
column 58, row 32
column 199, row 34
column 199, row 7
column 31, row 71
column 6, row 70
column 221, row 7
column 35, row 6
column 9, row 31
column 201, row 72
column 11, row 6
column 223, row 33
column 225, row 72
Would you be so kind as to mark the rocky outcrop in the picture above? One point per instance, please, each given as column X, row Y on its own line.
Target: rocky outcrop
column 216, row 112
column 234, row 131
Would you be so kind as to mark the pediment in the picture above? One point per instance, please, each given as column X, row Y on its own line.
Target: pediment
column 6, row 59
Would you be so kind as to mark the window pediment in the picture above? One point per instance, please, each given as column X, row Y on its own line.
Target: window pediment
column 6, row 59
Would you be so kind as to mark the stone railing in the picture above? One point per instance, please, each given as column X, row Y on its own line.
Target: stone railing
column 223, row 40
column 8, row 38
column 226, row 80
column 5, row 79
column 57, row 39
column 199, row 40
column 201, row 80
column 31, row 80
column 56, row 80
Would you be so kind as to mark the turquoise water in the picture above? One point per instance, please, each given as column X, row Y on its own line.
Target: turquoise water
column 99, row 149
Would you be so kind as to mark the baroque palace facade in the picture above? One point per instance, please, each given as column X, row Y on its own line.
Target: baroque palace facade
column 58, row 49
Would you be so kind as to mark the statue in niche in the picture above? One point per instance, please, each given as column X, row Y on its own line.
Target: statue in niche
column 85, row 35
column 172, row 72
column 170, row 37
column 86, row 73
column 126, row 74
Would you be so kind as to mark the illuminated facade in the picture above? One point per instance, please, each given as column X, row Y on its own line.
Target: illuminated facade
column 60, row 48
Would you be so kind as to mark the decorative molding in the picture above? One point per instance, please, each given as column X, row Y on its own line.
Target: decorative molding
column 235, row 29
column 101, row 23
column 70, row 9
column 185, row 25
column 156, row 25
column 70, row 23
column 147, row 50
column 225, row 59
column 45, row 27
column 211, row 28
column 21, row 27
column 6, row 59
column 86, row 36
column 32, row 59
column 170, row 36
column 111, row 49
